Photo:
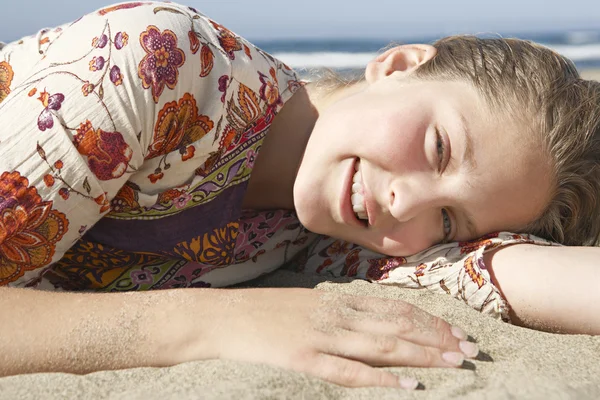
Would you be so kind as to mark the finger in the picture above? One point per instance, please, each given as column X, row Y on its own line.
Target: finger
column 389, row 350
column 408, row 322
column 403, row 328
column 352, row 373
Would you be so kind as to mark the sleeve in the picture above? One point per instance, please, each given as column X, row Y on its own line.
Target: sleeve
column 67, row 146
column 456, row 269
column 75, row 113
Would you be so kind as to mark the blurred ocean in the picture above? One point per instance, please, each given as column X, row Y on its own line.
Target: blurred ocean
column 347, row 55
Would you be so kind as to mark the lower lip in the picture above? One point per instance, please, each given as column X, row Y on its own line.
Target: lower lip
column 348, row 215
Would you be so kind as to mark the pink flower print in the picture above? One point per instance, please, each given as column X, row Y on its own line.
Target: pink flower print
column 181, row 201
column 250, row 158
column 159, row 67
column 121, row 40
column 51, row 103
column 141, row 277
column 97, row 63
column 380, row 268
column 223, row 80
column 100, row 42
column 115, row 75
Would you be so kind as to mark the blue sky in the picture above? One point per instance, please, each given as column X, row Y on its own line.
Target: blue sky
column 259, row 19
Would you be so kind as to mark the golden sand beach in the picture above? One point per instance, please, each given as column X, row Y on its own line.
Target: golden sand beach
column 515, row 363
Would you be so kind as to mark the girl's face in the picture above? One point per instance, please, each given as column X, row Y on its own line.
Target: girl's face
column 432, row 162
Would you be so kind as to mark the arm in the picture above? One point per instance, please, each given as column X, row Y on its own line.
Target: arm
column 81, row 333
column 305, row 330
column 550, row 288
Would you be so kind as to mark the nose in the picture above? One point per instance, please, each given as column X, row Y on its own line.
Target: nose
column 408, row 201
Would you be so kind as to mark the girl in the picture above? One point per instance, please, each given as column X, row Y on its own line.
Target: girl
column 146, row 146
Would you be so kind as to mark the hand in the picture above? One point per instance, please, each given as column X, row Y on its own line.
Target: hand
column 335, row 337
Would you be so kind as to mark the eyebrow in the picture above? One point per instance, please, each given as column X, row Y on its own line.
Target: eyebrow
column 468, row 152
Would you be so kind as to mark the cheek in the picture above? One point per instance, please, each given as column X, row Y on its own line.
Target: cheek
column 398, row 140
column 403, row 239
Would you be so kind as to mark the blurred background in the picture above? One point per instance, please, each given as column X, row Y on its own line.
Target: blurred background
column 346, row 34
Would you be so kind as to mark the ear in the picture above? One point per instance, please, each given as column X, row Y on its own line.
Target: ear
column 401, row 59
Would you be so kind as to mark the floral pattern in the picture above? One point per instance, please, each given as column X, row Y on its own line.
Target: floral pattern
column 29, row 228
column 6, row 76
column 51, row 103
column 178, row 125
column 107, row 152
column 161, row 64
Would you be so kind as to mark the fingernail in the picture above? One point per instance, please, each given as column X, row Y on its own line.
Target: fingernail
column 454, row 358
column 459, row 333
column 408, row 383
column 470, row 349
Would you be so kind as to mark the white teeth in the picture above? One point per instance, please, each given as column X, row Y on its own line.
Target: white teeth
column 357, row 198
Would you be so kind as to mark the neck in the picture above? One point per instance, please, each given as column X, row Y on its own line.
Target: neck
column 271, row 184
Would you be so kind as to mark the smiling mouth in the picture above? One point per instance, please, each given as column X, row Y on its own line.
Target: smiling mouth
column 357, row 196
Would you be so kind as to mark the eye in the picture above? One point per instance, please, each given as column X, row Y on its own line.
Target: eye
column 447, row 223
column 441, row 149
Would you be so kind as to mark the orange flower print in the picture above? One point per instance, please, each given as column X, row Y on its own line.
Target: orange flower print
column 269, row 91
column 64, row 193
column 229, row 42
column 29, row 228
column 206, row 61
column 474, row 273
column 123, row 6
column 247, row 51
column 187, row 153
column 126, row 199
column 168, row 195
column 209, row 164
column 102, row 201
column 473, row 245
column 178, row 125
column 213, row 248
column 159, row 67
column 194, row 42
column 49, row 180
column 156, row 176
column 108, row 153
column 6, row 76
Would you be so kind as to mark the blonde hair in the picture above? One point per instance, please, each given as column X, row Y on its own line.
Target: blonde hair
column 537, row 85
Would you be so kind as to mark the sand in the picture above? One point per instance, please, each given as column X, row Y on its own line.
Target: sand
column 516, row 363
column 591, row 74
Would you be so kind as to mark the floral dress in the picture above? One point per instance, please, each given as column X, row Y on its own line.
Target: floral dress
column 126, row 143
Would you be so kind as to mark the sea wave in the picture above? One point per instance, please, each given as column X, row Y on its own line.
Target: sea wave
column 351, row 60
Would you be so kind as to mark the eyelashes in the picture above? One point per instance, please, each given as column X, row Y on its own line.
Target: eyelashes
column 441, row 150
column 447, row 223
